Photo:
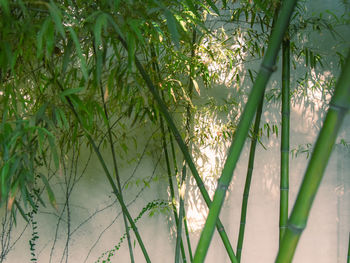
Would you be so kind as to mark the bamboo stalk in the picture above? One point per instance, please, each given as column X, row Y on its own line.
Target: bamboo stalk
column 171, row 186
column 297, row 221
column 109, row 177
column 284, row 182
column 242, row 130
column 184, row 150
column 248, row 179
column 179, row 241
column 114, row 158
column 187, row 237
column 181, row 210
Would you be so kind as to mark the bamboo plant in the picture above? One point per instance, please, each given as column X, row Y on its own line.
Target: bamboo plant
column 108, row 175
column 339, row 106
column 183, row 148
column 248, row 180
column 284, row 181
column 243, row 127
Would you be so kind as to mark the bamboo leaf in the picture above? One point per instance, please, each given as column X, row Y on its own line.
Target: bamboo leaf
column 101, row 22
column 134, row 24
column 56, row 16
column 5, row 6
column 196, row 87
column 171, row 23
column 21, row 211
column 66, row 57
column 40, row 38
column 213, row 6
column 70, row 91
column 50, row 193
column 80, row 53
column 131, row 49
column 50, row 39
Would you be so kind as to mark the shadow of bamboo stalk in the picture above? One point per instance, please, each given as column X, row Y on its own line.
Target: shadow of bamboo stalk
column 339, row 106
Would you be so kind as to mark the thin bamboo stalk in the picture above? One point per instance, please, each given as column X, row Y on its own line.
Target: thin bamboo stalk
column 109, row 177
column 181, row 210
column 243, row 127
column 187, row 237
column 248, row 180
column 114, row 158
column 110, row 140
column 284, row 182
column 184, row 150
column 339, row 106
column 171, row 186
column 179, row 241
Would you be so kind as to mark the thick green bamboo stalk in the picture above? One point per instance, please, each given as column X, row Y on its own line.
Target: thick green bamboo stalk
column 284, row 181
column 297, row 222
column 171, row 186
column 248, row 179
column 109, row 177
column 185, row 152
column 242, row 130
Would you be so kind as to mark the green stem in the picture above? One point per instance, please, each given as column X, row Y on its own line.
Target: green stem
column 187, row 156
column 179, row 242
column 297, row 221
column 187, row 237
column 284, row 183
column 181, row 210
column 171, row 186
column 110, row 139
column 109, row 177
column 242, row 130
column 248, row 179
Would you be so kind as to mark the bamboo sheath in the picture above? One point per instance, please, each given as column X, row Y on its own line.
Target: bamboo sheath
column 248, row 180
column 284, row 182
column 297, row 221
column 243, row 127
